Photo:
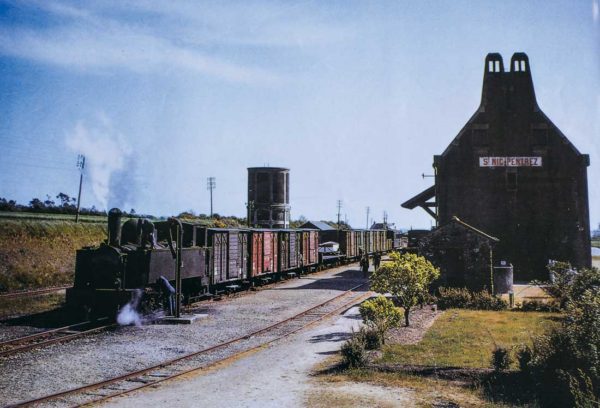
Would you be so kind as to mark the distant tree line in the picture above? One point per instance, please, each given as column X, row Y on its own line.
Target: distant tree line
column 61, row 204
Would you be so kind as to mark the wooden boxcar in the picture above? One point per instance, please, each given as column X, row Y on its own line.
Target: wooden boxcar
column 289, row 249
column 230, row 250
column 309, row 247
column 263, row 252
column 347, row 240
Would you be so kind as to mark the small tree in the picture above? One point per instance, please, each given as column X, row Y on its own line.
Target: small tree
column 561, row 278
column 381, row 314
column 407, row 277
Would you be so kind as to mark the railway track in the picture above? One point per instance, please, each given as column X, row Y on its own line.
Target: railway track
column 167, row 370
column 35, row 292
column 52, row 336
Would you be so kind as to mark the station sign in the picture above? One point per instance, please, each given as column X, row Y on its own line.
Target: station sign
column 510, row 162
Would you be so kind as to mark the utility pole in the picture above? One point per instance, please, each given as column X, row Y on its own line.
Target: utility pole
column 80, row 166
column 339, row 208
column 211, row 184
column 368, row 210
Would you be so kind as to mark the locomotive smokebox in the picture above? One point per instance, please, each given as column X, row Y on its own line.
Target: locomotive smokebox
column 269, row 197
column 114, row 227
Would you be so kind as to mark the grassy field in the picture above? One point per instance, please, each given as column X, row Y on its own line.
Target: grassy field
column 458, row 338
column 466, row 338
column 39, row 253
column 36, row 304
column 9, row 215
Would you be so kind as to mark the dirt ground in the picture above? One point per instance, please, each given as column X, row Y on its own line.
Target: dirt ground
column 278, row 376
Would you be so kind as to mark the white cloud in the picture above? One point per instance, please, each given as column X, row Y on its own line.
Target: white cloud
column 595, row 10
column 156, row 36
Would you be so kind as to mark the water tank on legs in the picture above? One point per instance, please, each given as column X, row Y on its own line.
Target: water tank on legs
column 268, row 197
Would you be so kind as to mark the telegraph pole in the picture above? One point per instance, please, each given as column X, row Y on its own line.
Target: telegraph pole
column 80, row 166
column 339, row 208
column 211, row 184
column 368, row 210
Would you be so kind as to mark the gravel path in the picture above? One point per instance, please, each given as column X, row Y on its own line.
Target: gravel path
column 94, row 358
column 420, row 321
column 278, row 376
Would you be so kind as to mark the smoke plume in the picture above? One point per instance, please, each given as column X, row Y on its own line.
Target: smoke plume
column 106, row 152
column 128, row 315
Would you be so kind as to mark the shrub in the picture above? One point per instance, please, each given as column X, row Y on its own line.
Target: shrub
column 501, row 358
column 371, row 338
column 538, row 306
column 524, row 356
column 561, row 279
column 565, row 363
column 454, row 298
column 407, row 277
column 353, row 352
column 484, row 300
column 462, row 298
column 380, row 314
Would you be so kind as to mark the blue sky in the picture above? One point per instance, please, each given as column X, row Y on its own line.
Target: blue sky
column 354, row 97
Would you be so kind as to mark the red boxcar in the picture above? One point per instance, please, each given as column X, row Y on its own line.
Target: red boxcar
column 263, row 252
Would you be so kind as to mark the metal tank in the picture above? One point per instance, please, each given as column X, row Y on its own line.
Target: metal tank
column 269, row 197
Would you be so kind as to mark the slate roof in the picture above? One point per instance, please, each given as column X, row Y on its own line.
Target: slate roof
column 320, row 225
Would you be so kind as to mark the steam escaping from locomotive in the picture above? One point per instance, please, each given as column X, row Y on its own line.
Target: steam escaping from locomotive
column 128, row 315
column 106, row 152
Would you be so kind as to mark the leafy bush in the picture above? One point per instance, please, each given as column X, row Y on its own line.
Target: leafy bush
column 353, row 352
column 565, row 363
column 585, row 280
column 380, row 314
column 501, row 358
column 524, row 356
column 462, row 298
column 561, row 279
column 407, row 277
column 371, row 338
column 538, row 306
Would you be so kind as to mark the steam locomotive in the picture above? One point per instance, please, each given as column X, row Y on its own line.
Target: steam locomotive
column 138, row 253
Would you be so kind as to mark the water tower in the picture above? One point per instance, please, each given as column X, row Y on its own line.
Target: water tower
column 269, row 197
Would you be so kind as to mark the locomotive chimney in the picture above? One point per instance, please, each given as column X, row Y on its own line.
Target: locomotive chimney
column 114, row 227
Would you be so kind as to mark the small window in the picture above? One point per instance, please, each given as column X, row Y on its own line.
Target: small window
column 491, row 66
column 523, row 66
column 511, row 179
column 497, row 66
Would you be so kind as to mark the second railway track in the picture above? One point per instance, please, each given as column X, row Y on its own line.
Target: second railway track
column 34, row 292
column 52, row 336
column 123, row 384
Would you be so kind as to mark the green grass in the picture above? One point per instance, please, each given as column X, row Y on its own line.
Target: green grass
column 10, row 215
column 466, row 338
column 37, row 254
column 35, row 304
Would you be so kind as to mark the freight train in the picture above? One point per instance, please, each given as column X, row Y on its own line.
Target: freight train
column 138, row 253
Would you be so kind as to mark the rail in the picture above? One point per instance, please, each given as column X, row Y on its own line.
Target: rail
column 34, row 292
column 52, row 336
column 168, row 370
